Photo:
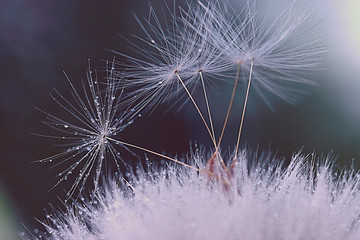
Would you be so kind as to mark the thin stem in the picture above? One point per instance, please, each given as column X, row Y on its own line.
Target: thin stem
column 152, row 152
column 244, row 109
column 230, row 105
column 197, row 108
column 207, row 106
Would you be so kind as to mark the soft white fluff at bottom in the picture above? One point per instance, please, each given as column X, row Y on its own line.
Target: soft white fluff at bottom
column 305, row 200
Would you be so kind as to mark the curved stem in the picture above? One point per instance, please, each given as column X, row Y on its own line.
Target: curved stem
column 230, row 105
column 197, row 108
column 207, row 106
column 152, row 152
column 244, row 109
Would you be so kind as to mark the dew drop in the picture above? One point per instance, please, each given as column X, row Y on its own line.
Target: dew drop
column 66, row 126
column 152, row 41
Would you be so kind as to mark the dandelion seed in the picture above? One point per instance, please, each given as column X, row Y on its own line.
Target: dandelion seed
column 281, row 49
column 175, row 51
column 94, row 119
column 97, row 118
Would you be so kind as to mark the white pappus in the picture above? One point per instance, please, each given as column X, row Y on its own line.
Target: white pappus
column 266, row 201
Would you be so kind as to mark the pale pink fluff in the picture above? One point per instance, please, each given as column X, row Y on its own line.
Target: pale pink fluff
column 305, row 200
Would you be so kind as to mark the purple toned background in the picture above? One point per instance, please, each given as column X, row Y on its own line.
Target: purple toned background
column 40, row 39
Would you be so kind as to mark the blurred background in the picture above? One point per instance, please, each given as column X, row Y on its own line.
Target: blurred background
column 39, row 39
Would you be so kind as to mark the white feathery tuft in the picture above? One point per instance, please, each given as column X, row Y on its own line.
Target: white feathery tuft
column 305, row 200
column 174, row 49
column 283, row 50
column 216, row 39
column 86, row 128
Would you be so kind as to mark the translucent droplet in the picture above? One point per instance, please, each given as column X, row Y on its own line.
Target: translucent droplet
column 152, row 41
column 66, row 126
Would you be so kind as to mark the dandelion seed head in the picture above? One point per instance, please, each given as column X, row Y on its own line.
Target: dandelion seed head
column 304, row 200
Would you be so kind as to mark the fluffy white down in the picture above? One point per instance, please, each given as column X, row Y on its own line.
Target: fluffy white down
column 305, row 200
